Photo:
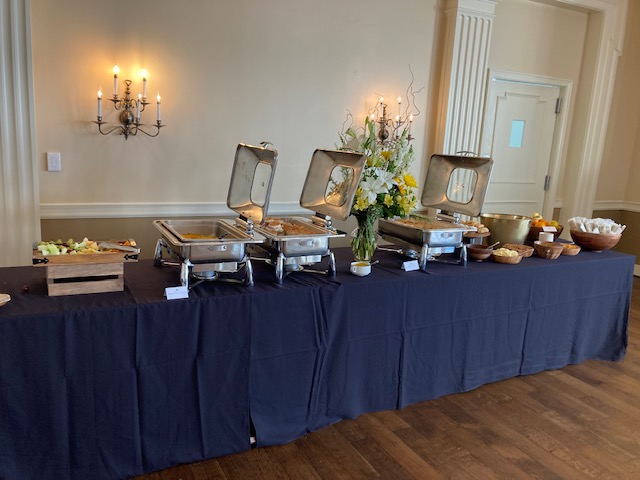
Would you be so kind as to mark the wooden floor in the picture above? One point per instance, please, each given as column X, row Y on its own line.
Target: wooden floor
column 579, row 422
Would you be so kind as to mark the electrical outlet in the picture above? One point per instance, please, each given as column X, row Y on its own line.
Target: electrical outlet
column 54, row 163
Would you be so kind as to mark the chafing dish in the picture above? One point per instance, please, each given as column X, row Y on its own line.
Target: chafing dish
column 208, row 248
column 295, row 243
column 454, row 185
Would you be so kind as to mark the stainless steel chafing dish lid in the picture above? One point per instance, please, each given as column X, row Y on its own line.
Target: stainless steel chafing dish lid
column 456, row 183
column 251, row 180
column 332, row 181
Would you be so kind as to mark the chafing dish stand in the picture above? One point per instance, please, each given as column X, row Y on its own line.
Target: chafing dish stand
column 293, row 244
column 209, row 249
column 454, row 185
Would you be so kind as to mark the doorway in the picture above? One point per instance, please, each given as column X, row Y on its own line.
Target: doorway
column 525, row 118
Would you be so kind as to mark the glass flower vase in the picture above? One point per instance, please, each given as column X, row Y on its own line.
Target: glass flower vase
column 365, row 239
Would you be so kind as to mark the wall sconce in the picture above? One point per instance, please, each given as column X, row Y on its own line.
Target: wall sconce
column 131, row 124
column 388, row 126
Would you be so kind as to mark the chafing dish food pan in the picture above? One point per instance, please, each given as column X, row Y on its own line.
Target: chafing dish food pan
column 455, row 185
column 207, row 248
column 292, row 243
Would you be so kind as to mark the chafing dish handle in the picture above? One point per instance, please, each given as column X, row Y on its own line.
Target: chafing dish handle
column 36, row 261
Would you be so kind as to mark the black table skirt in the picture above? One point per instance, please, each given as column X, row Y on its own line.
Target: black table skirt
column 116, row 384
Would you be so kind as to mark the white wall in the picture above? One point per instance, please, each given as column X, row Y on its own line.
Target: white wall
column 530, row 37
column 286, row 71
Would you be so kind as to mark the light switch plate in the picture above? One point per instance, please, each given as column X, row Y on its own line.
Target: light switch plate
column 54, row 163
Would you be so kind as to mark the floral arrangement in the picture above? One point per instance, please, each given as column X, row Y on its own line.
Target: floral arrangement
column 386, row 188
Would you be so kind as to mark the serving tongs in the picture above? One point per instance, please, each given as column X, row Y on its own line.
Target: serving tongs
column 117, row 246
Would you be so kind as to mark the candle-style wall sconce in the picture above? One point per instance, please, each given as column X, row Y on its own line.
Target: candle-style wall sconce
column 131, row 123
column 390, row 127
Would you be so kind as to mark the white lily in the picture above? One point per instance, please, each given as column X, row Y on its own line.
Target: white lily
column 387, row 178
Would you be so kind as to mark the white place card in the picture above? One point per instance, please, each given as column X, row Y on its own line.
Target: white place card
column 174, row 293
column 410, row 265
column 549, row 229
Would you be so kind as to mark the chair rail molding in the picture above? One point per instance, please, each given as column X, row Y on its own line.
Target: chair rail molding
column 19, row 207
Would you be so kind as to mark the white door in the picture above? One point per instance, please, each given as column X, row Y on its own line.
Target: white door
column 518, row 136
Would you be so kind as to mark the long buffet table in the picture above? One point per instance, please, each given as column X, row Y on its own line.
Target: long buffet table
column 111, row 385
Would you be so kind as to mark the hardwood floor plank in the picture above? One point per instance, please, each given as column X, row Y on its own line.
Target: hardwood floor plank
column 344, row 453
column 385, row 466
column 414, row 465
column 253, row 464
column 210, row 470
column 317, row 455
column 293, row 461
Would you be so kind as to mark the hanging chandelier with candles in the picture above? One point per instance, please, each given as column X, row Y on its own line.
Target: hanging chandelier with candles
column 130, row 108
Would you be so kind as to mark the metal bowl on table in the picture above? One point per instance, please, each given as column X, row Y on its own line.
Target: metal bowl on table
column 506, row 228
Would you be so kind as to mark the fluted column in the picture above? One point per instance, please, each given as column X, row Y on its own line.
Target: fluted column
column 19, row 195
column 464, row 74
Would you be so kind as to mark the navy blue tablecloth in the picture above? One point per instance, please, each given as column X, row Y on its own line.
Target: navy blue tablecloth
column 116, row 384
column 106, row 386
column 394, row 338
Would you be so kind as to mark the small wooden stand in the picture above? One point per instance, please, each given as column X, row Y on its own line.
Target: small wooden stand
column 84, row 273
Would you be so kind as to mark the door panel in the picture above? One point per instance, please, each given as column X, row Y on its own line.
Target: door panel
column 519, row 129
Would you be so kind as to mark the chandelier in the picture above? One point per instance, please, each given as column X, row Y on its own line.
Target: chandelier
column 130, row 122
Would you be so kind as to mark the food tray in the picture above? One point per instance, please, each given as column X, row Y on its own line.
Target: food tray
column 226, row 243
column 420, row 230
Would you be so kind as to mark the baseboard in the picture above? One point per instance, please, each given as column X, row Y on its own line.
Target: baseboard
column 617, row 205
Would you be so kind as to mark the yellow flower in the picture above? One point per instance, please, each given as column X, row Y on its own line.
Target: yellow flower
column 409, row 180
column 386, row 154
column 388, row 200
column 361, row 203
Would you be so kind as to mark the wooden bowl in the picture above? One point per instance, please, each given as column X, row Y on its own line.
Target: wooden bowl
column 523, row 250
column 548, row 250
column 595, row 241
column 534, row 232
column 479, row 253
column 570, row 249
column 507, row 260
